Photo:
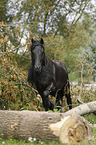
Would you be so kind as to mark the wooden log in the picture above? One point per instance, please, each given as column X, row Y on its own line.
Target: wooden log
column 25, row 124
column 83, row 109
column 46, row 126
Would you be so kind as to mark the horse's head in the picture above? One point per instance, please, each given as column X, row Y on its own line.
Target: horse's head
column 37, row 54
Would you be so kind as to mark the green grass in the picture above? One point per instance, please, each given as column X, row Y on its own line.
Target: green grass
column 20, row 142
column 91, row 118
column 17, row 142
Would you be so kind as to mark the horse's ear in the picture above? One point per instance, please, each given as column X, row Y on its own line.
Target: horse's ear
column 42, row 41
column 32, row 40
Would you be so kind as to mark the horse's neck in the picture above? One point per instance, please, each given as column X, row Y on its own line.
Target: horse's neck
column 48, row 61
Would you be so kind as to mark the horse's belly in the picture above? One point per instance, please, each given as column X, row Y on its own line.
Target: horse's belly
column 61, row 82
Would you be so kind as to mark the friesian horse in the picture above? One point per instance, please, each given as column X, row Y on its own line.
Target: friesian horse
column 49, row 77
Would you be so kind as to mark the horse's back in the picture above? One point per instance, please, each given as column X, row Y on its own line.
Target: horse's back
column 60, row 64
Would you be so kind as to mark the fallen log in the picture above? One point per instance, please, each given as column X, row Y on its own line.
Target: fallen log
column 83, row 109
column 65, row 127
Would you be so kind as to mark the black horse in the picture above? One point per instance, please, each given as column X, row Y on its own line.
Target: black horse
column 49, row 77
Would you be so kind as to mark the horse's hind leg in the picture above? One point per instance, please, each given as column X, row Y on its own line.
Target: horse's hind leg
column 59, row 97
column 69, row 101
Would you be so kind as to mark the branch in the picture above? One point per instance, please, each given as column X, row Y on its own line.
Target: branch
column 83, row 109
column 79, row 12
column 24, row 81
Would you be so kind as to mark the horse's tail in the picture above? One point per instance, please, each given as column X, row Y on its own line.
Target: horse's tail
column 68, row 95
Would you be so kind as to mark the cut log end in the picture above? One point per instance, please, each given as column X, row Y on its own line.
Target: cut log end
column 76, row 129
column 73, row 128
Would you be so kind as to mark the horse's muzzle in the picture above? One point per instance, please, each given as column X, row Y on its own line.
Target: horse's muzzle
column 37, row 69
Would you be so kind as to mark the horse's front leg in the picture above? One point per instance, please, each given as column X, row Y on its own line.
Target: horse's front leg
column 47, row 103
column 49, row 89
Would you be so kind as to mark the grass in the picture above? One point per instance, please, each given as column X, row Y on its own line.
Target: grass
column 91, row 118
column 17, row 142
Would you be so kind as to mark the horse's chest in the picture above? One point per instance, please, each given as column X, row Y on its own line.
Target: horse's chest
column 42, row 80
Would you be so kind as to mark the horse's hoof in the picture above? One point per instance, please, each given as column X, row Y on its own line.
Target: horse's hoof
column 51, row 105
column 46, row 109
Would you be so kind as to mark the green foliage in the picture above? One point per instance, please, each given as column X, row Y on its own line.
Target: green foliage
column 67, row 49
column 91, row 118
column 3, row 10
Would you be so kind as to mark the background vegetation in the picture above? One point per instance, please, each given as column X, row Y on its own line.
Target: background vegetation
column 69, row 31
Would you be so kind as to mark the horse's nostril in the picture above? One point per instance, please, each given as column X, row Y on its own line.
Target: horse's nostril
column 37, row 69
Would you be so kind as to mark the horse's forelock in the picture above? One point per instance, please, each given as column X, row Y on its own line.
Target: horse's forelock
column 37, row 44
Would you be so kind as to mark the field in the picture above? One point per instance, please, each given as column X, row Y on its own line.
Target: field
column 91, row 119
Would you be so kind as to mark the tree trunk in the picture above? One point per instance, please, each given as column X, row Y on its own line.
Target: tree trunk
column 25, row 124
column 46, row 126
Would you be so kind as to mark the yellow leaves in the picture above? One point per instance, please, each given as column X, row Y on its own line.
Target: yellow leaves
column 24, row 73
column 28, row 47
column 6, row 38
column 15, row 77
column 21, row 90
column 0, row 59
column 5, row 60
column 35, row 100
column 2, row 23
column 11, row 77
column 2, row 82
column 2, row 41
column 13, row 80
column 18, row 29
column 12, row 56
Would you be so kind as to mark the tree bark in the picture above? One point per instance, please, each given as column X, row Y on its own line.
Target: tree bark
column 25, row 124
column 46, row 126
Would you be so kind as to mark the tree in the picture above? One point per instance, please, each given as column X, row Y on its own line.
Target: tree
column 53, row 19
column 50, row 16
column 9, row 33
